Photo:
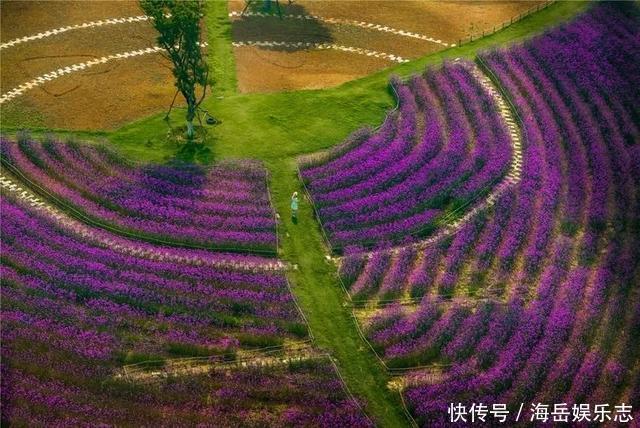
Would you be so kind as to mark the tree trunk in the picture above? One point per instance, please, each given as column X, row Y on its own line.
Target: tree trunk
column 190, row 131
column 191, row 114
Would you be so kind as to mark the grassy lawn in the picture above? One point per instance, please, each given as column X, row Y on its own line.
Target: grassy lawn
column 280, row 126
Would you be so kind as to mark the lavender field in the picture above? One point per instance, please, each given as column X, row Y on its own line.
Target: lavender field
column 73, row 313
column 165, row 306
column 225, row 207
column 445, row 146
column 473, row 260
column 307, row 394
column 536, row 299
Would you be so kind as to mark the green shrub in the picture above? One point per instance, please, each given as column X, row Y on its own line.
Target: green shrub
column 189, row 350
column 298, row 329
column 252, row 341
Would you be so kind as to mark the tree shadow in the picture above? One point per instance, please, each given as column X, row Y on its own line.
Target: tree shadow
column 198, row 150
column 270, row 28
column 193, row 153
column 187, row 176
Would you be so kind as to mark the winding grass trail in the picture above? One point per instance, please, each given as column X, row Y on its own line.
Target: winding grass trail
column 324, row 303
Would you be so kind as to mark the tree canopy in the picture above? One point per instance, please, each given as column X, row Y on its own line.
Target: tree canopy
column 179, row 33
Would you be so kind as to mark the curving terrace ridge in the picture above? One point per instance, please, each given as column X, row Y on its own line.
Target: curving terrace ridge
column 439, row 163
column 555, row 253
column 226, row 207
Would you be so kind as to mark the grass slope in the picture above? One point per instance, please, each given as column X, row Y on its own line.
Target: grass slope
column 280, row 126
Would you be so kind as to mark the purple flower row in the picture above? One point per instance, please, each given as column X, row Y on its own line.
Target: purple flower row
column 566, row 186
column 565, row 330
column 449, row 145
column 227, row 206
column 305, row 395
column 121, row 293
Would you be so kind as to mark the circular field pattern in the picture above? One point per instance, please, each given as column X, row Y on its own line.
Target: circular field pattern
column 52, row 42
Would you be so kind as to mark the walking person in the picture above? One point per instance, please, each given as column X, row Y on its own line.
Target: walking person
column 294, row 207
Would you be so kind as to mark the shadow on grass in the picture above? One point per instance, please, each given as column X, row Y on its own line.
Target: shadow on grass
column 198, row 150
column 193, row 152
column 273, row 29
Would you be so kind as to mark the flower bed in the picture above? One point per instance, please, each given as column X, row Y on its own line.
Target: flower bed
column 74, row 312
column 303, row 394
column 226, row 207
column 555, row 257
column 137, row 305
column 446, row 146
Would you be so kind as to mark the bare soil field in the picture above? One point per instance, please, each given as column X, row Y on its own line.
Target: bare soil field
column 108, row 95
column 104, row 96
column 263, row 69
column 24, row 17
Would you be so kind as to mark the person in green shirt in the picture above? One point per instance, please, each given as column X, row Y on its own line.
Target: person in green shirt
column 294, row 207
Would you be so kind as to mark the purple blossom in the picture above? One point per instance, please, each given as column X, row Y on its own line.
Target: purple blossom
column 226, row 206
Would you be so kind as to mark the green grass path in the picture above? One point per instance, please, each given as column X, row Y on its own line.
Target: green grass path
column 323, row 301
column 222, row 63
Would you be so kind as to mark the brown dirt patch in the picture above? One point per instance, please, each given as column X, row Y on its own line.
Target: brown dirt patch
column 25, row 61
column 102, row 97
column 110, row 95
column 25, row 17
column 258, row 69
column 295, row 70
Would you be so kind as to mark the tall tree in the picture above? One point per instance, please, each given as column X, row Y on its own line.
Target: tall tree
column 178, row 25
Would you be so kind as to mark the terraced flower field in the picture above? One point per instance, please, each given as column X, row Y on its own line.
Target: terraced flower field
column 83, row 309
column 225, row 207
column 476, row 250
column 419, row 167
column 539, row 280
column 167, row 304
column 307, row 394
